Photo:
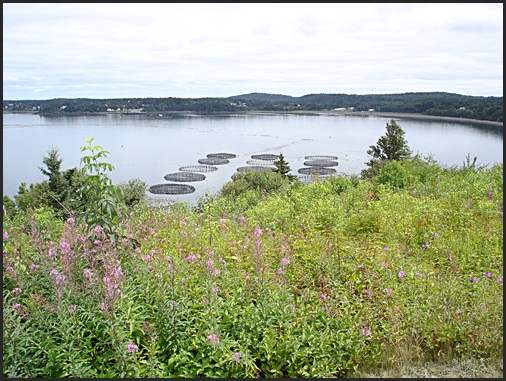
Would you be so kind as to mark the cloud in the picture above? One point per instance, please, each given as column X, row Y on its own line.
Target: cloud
column 199, row 50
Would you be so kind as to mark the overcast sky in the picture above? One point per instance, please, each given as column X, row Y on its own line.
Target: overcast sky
column 218, row 50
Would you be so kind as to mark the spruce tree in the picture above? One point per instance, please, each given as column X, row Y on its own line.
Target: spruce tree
column 283, row 168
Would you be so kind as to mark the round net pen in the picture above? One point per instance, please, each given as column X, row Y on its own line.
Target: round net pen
column 184, row 176
column 213, row 161
column 266, row 156
column 321, row 157
column 321, row 163
column 309, row 179
column 172, row 189
column 221, row 155
column 256, row 168
column 263, row 163
column 198, row 168
column 317, row 171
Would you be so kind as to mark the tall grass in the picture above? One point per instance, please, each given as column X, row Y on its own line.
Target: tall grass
column 320, row 280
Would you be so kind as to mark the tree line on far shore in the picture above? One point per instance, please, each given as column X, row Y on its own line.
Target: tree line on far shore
column 425, row 103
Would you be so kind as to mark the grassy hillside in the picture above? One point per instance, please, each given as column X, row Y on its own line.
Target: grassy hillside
column 341, row 277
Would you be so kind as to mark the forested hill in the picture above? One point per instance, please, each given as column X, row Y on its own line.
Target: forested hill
column 426, row 103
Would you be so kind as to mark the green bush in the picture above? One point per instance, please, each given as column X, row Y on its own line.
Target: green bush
column 263, row 182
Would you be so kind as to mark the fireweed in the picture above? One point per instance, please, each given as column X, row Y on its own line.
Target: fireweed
column 357, row 288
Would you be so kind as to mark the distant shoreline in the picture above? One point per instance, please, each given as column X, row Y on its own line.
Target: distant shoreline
column 392, row 115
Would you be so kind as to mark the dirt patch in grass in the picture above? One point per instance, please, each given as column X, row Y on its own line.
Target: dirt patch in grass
column 456, row 368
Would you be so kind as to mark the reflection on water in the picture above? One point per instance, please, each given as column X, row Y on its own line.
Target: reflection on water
column 151, row 147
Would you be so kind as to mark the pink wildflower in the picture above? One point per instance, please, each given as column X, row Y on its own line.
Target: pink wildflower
column 88, row 274
column 51, row 252
column 402, row 274
column 213, row 338
column 72, row 309
column 257, row 232
column 366, row 332
column 285, row 261
column 475, row 279
column 388, row 291
column 17, row 290
column 59, row 279
column 132, row 348
column 146, row 257
column 237, row 356
column 16, row 306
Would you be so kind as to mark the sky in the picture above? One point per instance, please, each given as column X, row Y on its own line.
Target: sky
column 192, row 50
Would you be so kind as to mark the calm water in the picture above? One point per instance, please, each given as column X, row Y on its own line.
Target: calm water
column 150, row 148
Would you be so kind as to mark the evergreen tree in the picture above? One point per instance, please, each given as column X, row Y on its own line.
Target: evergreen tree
column 391, row 146
column 283, row 168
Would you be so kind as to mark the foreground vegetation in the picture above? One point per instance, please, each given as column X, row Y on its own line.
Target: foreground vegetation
column 270, row 278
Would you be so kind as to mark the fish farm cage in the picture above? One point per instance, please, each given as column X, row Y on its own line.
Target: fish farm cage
column 321, row 163
column 213, row 161
column 172, row 189
column 321, row 157
column 256, row 168
column 266, row 156
column 317, row 171
column 221, row 155
column 263, row 163
column 184, row 176
column 198, row 168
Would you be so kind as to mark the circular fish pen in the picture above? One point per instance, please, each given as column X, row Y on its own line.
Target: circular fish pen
column 262, row 163
column 184, row 176
column 266, row 156
column 321, row 163
column 172, row 189
column 221, row 155
column 256, row 168
column 198, row 168
column 321, row 157
column 317, row 171
column 213, row 161
column 309, row 179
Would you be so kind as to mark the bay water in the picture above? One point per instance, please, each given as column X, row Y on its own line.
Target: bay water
column 149, row 147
